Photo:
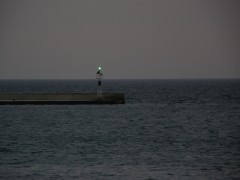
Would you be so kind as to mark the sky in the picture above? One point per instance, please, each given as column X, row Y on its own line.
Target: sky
column 129, row 39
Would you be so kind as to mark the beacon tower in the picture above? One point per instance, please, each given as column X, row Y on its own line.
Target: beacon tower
column 99, row 76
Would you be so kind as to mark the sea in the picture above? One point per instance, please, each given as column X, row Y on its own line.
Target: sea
column 168, row 129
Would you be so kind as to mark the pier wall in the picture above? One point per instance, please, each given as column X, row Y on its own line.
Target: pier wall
column 61, row 98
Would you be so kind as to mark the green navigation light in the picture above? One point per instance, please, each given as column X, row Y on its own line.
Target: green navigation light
column 99, row 68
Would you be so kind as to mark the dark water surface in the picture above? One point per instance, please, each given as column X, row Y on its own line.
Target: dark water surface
column 168, row 129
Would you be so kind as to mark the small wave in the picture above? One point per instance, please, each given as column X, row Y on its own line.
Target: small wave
column 20, row 162
column 3, row 149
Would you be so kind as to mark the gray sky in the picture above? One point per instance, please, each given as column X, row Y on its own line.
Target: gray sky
column 56, row 39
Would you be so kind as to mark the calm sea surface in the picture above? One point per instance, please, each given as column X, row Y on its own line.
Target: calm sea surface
column 168, row 129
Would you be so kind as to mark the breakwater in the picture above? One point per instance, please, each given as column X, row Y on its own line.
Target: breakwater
column 61, row 98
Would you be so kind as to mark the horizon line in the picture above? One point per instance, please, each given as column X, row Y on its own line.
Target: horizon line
column 225, row 78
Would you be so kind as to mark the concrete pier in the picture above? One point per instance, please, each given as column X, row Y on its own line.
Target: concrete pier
column 61, row 98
